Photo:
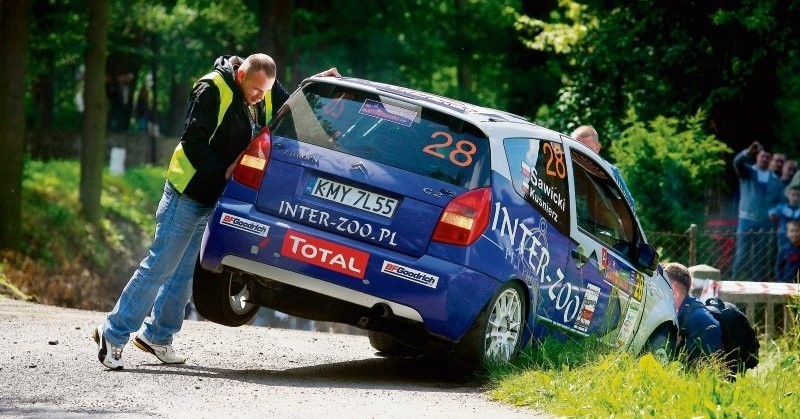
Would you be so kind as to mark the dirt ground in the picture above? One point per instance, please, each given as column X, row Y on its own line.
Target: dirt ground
column 49, row 367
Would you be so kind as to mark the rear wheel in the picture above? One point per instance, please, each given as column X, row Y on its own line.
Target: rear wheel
column 496, row 335
column 222, row 297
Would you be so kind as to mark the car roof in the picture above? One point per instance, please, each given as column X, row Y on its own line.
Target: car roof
column 496, row 123
column 477, row 115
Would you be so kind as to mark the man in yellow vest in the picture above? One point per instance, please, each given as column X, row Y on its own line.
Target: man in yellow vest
column 227, row 108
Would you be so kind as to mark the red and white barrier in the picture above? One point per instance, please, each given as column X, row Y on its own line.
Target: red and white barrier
column 709, row 288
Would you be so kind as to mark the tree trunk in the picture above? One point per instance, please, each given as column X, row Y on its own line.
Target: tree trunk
column 93, row 145
column 13, row 49
column 274, row 18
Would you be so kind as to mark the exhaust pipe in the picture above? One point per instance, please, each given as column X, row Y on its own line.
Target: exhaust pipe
column 380, row 310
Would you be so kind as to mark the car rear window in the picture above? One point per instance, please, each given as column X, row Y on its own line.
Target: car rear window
column 389, row 131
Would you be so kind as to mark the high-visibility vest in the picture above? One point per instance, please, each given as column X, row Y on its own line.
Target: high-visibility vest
column 180, row 170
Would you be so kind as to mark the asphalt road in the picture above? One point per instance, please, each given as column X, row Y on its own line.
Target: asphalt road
column 49, row 367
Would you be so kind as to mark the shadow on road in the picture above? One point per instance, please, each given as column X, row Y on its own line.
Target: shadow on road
column 374, row 373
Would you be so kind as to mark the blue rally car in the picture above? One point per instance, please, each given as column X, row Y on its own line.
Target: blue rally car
column 438, row 226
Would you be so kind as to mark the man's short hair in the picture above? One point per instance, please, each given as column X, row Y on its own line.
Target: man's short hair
column 585, row 130
column 260, row 62
column 678, row 273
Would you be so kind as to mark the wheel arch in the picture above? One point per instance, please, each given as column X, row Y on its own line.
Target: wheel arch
column 651, row 325
column 530, row 313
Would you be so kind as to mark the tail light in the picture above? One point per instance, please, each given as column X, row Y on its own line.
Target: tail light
column 465, row 218
column 252, row 162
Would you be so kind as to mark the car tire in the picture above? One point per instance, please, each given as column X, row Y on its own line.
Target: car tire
column 662, row 343
column 222, row 297
column 497, row 334
column 390, row 347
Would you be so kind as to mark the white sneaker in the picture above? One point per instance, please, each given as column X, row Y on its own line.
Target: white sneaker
column 164, row 353
column 109, row 355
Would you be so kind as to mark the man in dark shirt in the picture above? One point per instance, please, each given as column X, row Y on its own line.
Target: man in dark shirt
column 699, row 333
column 227, row 109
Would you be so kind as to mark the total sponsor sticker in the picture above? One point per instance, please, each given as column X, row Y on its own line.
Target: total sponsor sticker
column 325, row 254
column 410, row 274
column 244, row 224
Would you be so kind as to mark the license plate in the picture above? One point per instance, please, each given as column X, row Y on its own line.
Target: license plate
column 351, row 196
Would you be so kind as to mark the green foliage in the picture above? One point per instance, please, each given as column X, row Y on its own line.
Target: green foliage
column 53, row 231
column 459, row 49
column 57, row 40
column 563, row 34
column 415, row 43
column 669, row 165
column 671, row 58
column 788, row 106
column 613, row 384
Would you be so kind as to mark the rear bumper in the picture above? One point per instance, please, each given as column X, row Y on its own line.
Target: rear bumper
column 444, row 297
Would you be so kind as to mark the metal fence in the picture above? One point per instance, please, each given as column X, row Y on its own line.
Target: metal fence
column 715, row 245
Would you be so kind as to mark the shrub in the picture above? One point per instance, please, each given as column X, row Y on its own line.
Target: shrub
column 669, row 166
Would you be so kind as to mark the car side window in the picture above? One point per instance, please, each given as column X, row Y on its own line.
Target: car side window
column 601, row 209
column 539, row 175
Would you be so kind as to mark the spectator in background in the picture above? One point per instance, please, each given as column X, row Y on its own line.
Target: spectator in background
column 587, row 135
column 759, row 190
column 784, row 212
column 787, row 267
column 776, row 164
column 142, row 110
column 788, row 172
column 120, row 100
column 699, row 333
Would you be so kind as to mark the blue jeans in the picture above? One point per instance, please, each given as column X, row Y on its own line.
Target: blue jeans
column 163, row 280
column 754, row 251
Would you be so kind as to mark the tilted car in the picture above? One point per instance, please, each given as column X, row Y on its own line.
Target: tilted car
column 437, row 226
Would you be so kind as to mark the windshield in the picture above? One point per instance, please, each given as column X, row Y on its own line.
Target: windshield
column 387, row 131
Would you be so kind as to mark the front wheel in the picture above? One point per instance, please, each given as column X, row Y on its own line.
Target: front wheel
column 496, row 335
column 661, row 343
column 222, row 297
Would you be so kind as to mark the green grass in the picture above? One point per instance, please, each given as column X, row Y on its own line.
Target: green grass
column 64, row 260
column 583, row 379
column 53, row 231
column 8, row 289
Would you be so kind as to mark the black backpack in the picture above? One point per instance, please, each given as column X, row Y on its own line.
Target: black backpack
column 738, row 336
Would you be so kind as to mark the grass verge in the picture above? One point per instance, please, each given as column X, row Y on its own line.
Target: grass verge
column 583, row 379
column 65, row 261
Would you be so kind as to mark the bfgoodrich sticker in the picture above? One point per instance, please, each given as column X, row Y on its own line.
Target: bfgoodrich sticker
column 410, row 274
column 244, row 224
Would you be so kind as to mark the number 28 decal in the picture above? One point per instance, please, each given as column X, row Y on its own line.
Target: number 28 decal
column 462, row 153
column 555, row 160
